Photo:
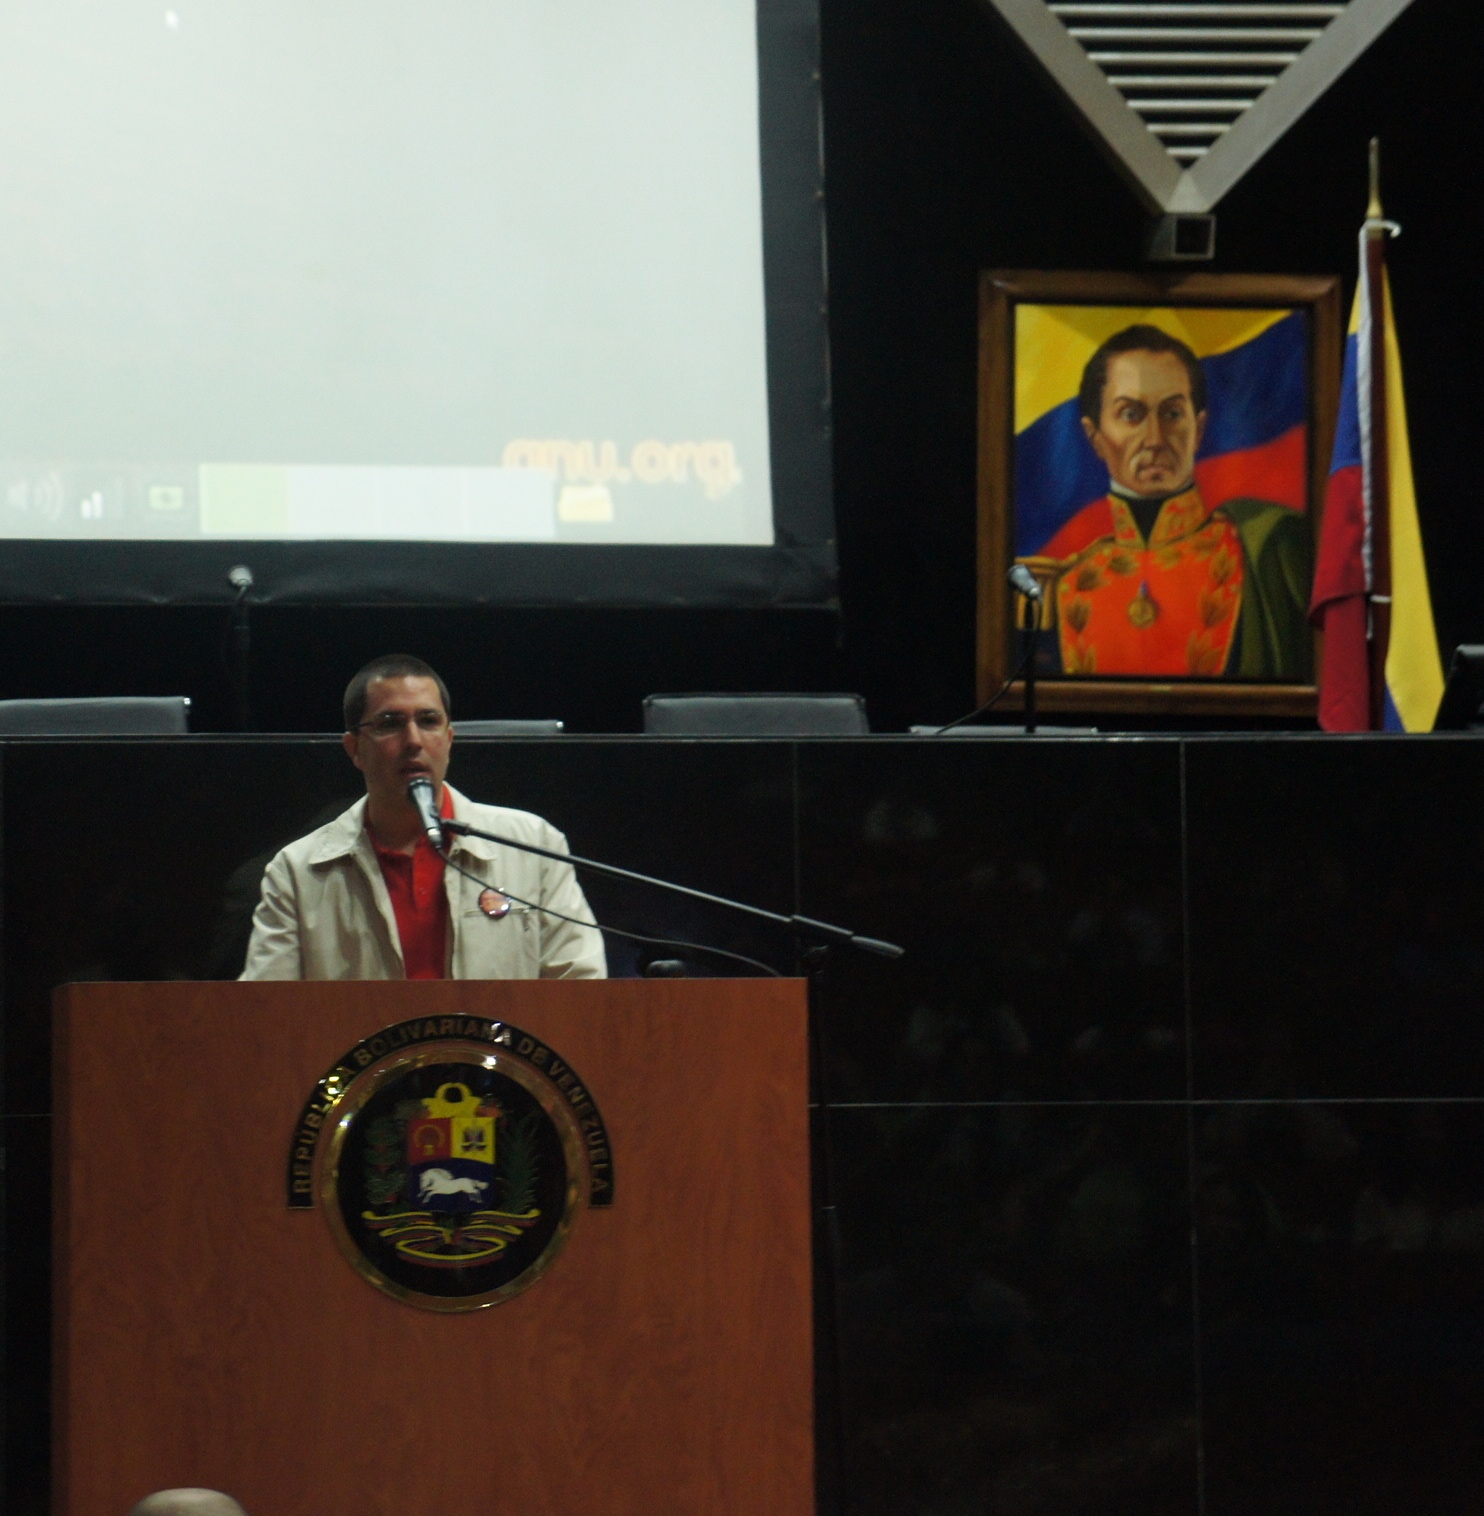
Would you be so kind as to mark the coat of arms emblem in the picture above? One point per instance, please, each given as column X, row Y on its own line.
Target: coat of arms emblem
column 450, row 1171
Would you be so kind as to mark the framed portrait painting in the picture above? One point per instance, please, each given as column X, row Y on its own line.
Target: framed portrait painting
column 1153, row 450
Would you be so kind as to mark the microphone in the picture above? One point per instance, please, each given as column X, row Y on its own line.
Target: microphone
column 420, row 793
column 1022, row 579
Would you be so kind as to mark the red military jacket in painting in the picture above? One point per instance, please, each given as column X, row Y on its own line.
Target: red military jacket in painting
column 1168, row 606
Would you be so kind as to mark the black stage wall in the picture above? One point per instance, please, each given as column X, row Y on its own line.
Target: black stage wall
column 946, row 153
column 951, row 153
column 1158, row 1158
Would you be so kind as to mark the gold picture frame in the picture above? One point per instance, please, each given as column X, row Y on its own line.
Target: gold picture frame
column 1038, row 333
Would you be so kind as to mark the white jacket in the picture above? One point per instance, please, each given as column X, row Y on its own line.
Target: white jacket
column 325, row 912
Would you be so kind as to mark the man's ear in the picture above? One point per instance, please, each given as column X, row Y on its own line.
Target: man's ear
column 1095, row 438
column 351, row 742
column 1200, row 429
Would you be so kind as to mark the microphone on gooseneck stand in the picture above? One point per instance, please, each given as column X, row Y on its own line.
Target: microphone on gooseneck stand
column 241, row 580
column 1030, row 588
column 1025, row 583
column 1022, row 579
column 420, row 793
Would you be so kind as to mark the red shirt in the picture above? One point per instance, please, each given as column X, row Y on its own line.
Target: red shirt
column 415, row 882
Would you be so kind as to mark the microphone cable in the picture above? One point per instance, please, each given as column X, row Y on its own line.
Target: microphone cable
column 612, row 931
column 1020, row 668
column 1023, row 582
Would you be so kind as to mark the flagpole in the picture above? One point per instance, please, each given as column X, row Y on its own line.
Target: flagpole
column 1377, row 465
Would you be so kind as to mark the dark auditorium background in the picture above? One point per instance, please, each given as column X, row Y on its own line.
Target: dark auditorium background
column 946, row 153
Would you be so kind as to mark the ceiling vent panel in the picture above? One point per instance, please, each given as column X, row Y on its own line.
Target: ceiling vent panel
column 1187, row 95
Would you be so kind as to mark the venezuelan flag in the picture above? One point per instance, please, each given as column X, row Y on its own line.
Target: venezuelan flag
column 1256, row 443
column 1358, row 567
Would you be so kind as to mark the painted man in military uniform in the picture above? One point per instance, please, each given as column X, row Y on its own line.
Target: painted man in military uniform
column 1177, row 589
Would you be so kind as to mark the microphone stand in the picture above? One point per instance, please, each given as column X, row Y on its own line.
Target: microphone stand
column 821, row 933
column 1023, row 582
column 1030, row 625
column 814, row 938
column 241, row 580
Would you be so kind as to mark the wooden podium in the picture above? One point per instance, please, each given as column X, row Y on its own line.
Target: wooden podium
column 206, row 1334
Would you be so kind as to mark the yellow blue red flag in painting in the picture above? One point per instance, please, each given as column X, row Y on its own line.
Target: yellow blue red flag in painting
column 1381, row 665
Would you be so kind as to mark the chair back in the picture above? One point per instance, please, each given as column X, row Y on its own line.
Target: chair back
column 510, row 728
column 755, row 716
column 109, row 716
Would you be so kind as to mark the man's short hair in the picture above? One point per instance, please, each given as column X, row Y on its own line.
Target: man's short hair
column 1136, row 339
column 391, row 666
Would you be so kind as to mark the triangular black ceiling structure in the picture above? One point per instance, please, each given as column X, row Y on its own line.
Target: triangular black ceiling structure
column 1187, row 95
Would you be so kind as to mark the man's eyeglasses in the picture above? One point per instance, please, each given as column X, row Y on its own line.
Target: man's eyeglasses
column 392, row 723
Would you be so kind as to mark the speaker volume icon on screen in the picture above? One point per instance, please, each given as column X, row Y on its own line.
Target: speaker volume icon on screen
column 166, row 497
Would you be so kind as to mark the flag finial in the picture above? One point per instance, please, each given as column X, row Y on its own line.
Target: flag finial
column 1373, row 211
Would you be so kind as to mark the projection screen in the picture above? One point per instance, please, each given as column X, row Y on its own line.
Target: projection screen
column 459, row 300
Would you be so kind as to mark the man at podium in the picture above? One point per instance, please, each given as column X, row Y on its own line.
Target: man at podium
column 368, row 897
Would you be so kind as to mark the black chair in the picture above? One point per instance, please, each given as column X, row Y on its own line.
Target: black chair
column 755, row 716
column 1462, row 706
column 110, row 716
column 509, row 728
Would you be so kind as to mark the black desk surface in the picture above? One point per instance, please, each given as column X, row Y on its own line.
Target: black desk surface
column 1160, row 1157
